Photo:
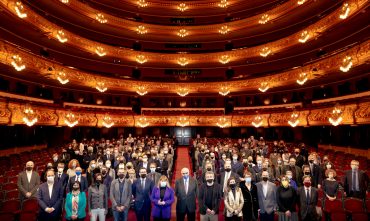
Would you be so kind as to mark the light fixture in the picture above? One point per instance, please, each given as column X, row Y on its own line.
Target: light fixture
column 182, row 33
column 223, row 122
column 264, row 87
column 304, row 36
column 62, row 77
column 65, row 1
column 224, row 91
column 183, row 61
column 265, row 51
column 224, row 30
column 141, row 59
column 182, row 7
column 336, row 116
column 100, row 86
column 294, row 119
column 100, row 51
column 141, row 30
column 301, row 2
column 182, row 92
column 257, row 122
column 100, row 18
column 346, row 64
column 107, row 121
column 142, row 3
column 302, row 78
column 141, row 90
column 142, row 122
column 264, row 19
column 344, row 11
column 70, row 119
column 61, row 36
column 183, row 121
column 17, row 63
column 224, row 59
column 19, row 9
column 29, row 116
column 223, row 4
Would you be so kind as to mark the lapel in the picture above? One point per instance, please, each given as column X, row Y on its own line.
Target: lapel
column 231, row 195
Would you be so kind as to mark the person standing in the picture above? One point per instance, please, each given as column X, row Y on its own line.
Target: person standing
column 28, row 182
column 162, row 198
column 209, row 198
column 120, row 196
column 266, row 192
column 287, row 198
column 308, row 198
column 186, row 190
column 234, row 201
column 249, row 190
column 98, row 199
column 141, row 190
column 330, row 186
column 355, row 181
column 75, row 203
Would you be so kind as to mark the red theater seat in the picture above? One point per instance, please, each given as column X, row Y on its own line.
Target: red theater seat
column 338, row 216
column 333, row 206
column 353, row 205
column 10, row 186
column 13, row 194
column 360, row 216
column 30, row 205
column 11, row 206
column 27, row 216
column 7, row 216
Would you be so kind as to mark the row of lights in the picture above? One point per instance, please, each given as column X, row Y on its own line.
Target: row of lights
column 182, row 6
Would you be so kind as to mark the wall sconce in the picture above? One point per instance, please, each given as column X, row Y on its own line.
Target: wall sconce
column 223, row 4
column 224, row 59
column 19, row 9
column 182, row 33
column 224, row 91
column 264, row 19
column 223, row 122
column 100, row 18
column 182, row 92
column 142, row 122
column 70, row 119
column 100, row 86
column 65, row 1
column 304, row 37
column 264, row 87
column 62, row 78
column 301, row 2
column 142, row 3
column 100, row 51
column 183, row 61
column 107, row 121
column 224, row 30
column 183, row 122
column 17, row 63
column 182, row 7
column 294, row 121
column 141, row 90
column 141, row 59
column 302, row 78
column 346, row 64
column 61, row 36
column 29, row 116
column 141, row 30
column 336, row 116
column 265, row 51
column 344, row 12
column 257, row 122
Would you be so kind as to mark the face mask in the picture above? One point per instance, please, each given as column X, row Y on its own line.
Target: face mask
column 209, row 169
column 227, row 169
column 152, row 170
column 163, row 183
column 235, row 158
column 307, row 184
column 55, row 159
column 98, row 182
column 50, row 179
column 265, row 178
column 76, row 188
column 311, row 161
column 78, row 173
column 354, row 167
column 28, row 168
column 143, row 175
column 104, row 172
column 60, row 170
column 289, row 177
column 248, row 179
column 93, row 166
column 186, row 177
column 328, row 166
column 279, row 161
column 77, row 152
column 307, row 173
column 108, row 165
column 259, row 162
column 232, row 186
column 129, row 167
column 210, row 181
column 121, row 176
column 285, row 183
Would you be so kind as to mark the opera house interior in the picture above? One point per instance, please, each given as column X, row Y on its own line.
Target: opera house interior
column 184, row 110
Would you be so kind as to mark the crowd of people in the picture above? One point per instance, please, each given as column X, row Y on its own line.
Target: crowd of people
column 249, row 178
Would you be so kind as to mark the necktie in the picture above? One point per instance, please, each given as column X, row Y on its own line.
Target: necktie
column 59, row 176
column 308, row 197
column 186, row 186
column 354, row 181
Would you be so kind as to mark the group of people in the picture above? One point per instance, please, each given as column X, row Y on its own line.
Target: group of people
column 135, row 173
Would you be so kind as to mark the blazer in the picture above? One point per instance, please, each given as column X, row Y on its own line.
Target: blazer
column 81, row 213
column 234, row 202
column 310, row 209
column 165, row 210
column 250, row 208
column 216, row 196
column 222, row 179
column 154, row 177
column 237, row 168
column 44, row 200
column 316, row 175
column 362, row 184
column 62, row 181
column 267, row 204
column 142, row 196
column 83, row 183
column 162, row 168
column 125, row 198
column 186, row 200
column 24, row 186
column 98, row 197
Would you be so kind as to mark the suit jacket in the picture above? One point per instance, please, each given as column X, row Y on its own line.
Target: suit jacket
column 162, row 167
column 186, row 200
column 142, row 196
column 62, row 181
column 297, row 175
column 125, row 198
column 24, row 186
column 111, row 158
column 234, row 202
column 216, row 196
column 45, row 201
column 140, row 165
column 362, row 183
column 237, row 168
column 308, row 210
column 316, row 175
column 165, row 209
column 222, row 179
column 267, row 204
column 83, row 184
column 154, row 177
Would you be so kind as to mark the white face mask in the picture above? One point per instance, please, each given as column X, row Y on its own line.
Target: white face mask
column 328, row 166
column 108, row 165
column 50, row 179
column 163, row 183
column 152, row 170
column 60, row 170
column 259, row 162
column 93, row 166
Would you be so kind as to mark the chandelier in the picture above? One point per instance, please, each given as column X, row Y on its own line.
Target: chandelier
column 62, row 78
column 29, row 116
column 107, row 121
column 142, row 3
column 336, row 116
column 17, row 63
column 61, row 36
column 70, row 119
column 257, row 122
column 346, row 64
column 224, row 91
column 183, row 122
column 141, row 90
column 142, row 122
column 182, row 92
column 302, row 78
column 100, row 18
column 265, row 51
column 264, row 19
column 223, row 4
column 100, row 86
column 304, row 37
column 344, row 11
column 224, row 30
column 141, row 59
column 183, row 61
column 294, row 121
column 141, row 30
column 301, row 2
column 100, row 51
column 19, row 9
column 264, row 87
column 224, row 59
column 182, row 7
column 65, row 1
column 182, row 33
column 223, row 122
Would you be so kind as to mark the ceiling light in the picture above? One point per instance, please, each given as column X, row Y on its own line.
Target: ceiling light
column 107, row 121
column 182, row 33
column 265, row 52
column 224, row 91
column 65, row 1
column 301, row 2
column 304, row 37
column 264, row 87
column 17, row 63
column 183, row 61
column 70, row 119
column 346, row 64
column 224, row 59
column 257, row 122
column 182, row 92
column 294, row 121
column 100, row 86
column 62, row 78
column 336, row 116
column 100, row 51
column 142, row 122
column 182, row 7
column 142, row 3
column 223, row 122
column 183, row 122
column 223, row 3
column 19, row 9
column 344, row 11
column 141, row 30
column 61, row 36
column 224, row 30
column 100, row 18
column 141, row 90
column 264, row 19
column 141, row 59
column 302, row 78
column 29, row 116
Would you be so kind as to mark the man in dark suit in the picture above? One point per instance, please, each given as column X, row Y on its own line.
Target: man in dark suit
column 144, row 163
column 186, row 190
column 355, row 181
column 50, row 197
column 153, row 175
column 28, row 182
column 308, row 198
column 64, row 157
column 162, row 165
column 258, row 169
column 300, row 160
column 236, row 165
column 209, row 198
column 266, row 193
column 315, row 172
column 78, row 177
column 108, row 156
column 224, row 176
column 142, row 190
column 296, row 171
column 60, row 177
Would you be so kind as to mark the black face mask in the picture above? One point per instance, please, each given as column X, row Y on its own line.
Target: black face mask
column 210, row 181
column 143, row 175
column 98, row 182
column 227, row 169
column 307, row 173
column 121, row 176
column 76, row 188
column 128, row 167
column 29, row 168
column 265, row 179
column 311, row 161
column 209, row 169
column 232, row 186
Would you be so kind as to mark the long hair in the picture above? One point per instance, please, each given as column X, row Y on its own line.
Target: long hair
column 163, row 178
column 71, row 162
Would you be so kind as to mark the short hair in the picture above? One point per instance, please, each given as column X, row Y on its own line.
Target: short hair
column 330, row 171
column 209, row 173
column 247, row 173
column 142, row 168
column 306, row 176
column 305, row 166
